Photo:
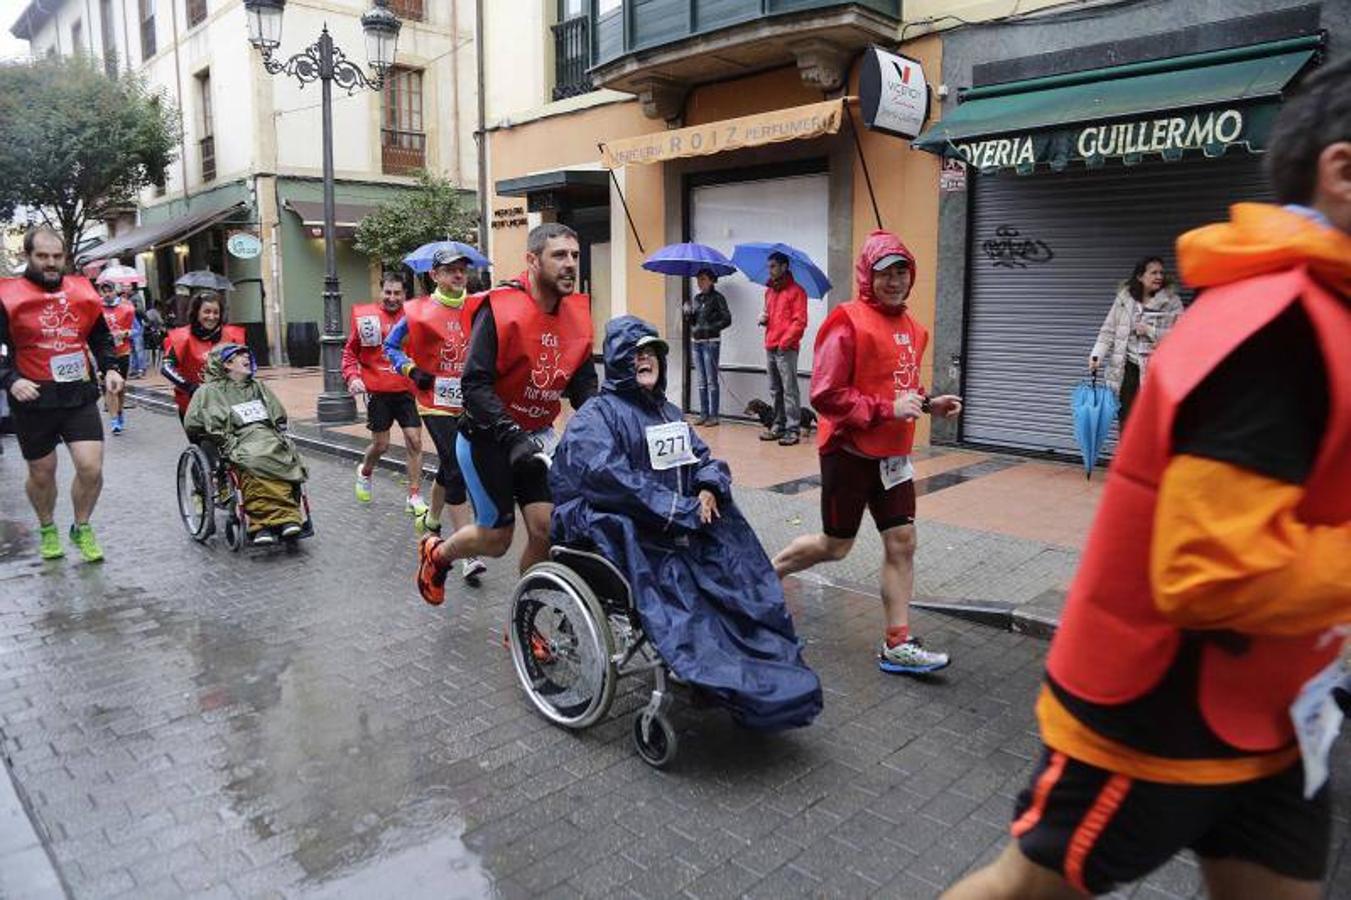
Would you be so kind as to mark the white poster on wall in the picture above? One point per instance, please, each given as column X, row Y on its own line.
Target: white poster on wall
column 792, row 210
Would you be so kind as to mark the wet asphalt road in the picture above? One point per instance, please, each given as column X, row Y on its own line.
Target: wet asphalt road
column 185, row 720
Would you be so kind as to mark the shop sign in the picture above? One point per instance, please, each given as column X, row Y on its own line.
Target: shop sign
column 893, row 93
column 1207, row 130
column 509, row 217
column 792, row 124
column 952, row 177
column 243, row 245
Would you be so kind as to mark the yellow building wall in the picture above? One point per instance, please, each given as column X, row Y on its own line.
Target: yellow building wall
column 569, row 141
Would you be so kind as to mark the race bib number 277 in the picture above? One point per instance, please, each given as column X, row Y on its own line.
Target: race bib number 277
column 669, row 445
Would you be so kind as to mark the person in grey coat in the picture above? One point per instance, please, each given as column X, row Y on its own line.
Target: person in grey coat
column 1145, row 309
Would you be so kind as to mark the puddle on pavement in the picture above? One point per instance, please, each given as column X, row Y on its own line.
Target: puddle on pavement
column 442, row 868
column 15, row 539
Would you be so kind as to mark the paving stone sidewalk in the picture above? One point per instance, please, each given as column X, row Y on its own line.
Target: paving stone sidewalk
column 188, row 721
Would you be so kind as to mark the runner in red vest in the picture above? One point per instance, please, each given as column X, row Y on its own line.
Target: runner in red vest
column 867, row 391
column 120, row 314
column 1200, row 646
column 186, row 347
column 50, row 325
column 430, row 345
column 389, row 399
column 530, row 347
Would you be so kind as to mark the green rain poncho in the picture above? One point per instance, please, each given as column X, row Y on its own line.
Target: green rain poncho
column 244, row 419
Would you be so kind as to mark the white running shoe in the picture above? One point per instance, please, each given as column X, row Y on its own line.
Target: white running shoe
column 415, row 506
column 473, row 568
column 363, row 485
column 910, row 658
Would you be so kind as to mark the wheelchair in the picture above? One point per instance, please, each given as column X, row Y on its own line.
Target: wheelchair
column 207, row 484
column 574, row 633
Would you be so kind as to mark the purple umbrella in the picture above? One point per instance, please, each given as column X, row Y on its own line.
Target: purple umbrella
column 688, row 260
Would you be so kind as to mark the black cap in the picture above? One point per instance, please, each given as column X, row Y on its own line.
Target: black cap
column 445, row 257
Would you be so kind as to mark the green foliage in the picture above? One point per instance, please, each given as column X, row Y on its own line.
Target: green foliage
column 436, row 211
column 75, row 144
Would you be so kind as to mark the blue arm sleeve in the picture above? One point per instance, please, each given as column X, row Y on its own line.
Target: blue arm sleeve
column 394, row 347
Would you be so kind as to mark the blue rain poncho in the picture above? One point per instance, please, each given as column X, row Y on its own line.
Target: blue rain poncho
column 707, row 596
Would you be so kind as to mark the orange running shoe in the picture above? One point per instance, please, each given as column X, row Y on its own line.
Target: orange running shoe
column 431, row 575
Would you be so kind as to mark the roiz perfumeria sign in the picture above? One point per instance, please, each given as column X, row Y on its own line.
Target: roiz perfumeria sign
column 893, row 93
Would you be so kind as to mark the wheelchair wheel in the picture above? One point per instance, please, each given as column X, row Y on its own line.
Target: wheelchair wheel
column 658, row 745
column 561, row 646
column 235, row 537
column 196, row 494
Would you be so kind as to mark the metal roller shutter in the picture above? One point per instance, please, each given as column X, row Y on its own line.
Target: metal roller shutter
column 1047, row 252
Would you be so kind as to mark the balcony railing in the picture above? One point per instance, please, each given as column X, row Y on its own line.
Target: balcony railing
column 402, row 152
column 572, row 57
column 409, row 10
column 207, row 145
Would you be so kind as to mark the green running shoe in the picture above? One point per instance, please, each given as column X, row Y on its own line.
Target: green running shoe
column 50, row 546
column 82, row 536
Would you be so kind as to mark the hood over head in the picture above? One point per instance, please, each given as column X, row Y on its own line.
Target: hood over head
column 878, row 246
column 219, row 355
column 1261, row 238
column 622, row 337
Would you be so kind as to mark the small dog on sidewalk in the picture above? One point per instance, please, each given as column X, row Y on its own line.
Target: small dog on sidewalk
column 764, row 414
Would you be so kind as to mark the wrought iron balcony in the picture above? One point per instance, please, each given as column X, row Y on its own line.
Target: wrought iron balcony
column 572, row 57
column 207, row 146
column 402, row 152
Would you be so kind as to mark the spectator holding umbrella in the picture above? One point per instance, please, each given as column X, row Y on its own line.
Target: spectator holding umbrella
column 707, row 316
column 1144, row 310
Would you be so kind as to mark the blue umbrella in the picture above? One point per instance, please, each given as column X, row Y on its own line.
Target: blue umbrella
column 420, row 260
column 753, row 260
column 1094, row 407
column 688, row 260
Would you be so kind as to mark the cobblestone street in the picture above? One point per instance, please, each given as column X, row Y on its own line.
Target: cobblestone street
column 182, row 720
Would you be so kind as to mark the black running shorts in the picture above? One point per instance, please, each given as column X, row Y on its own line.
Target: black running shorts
column 496, row 489
column 443, row 430
column 40, row 430
column 384, row 409
column 849, row 483
column 1100, row 829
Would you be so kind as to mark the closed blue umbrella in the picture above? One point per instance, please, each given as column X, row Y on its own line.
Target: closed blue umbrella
column 753, row 260
column 688, row 260
column 1094, row 406
column 420, row 260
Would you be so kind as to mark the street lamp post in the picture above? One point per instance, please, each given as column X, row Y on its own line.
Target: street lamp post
column 324, row 62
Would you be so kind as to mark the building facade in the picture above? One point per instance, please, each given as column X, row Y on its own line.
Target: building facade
column 245, row 195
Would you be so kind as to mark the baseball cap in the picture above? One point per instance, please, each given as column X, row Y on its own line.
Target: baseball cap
column 656, row 343
column 890, row 260
column 445, row 257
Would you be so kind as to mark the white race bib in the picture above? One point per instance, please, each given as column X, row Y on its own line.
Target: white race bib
column 1317, row 719
column 368, row 331
column 69, row 367
column 250, row 411
column 896, row 470
column 669, row 445
column 446, row 393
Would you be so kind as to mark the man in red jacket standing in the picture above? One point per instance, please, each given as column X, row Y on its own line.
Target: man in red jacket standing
column 866, row 388
column 784, row 321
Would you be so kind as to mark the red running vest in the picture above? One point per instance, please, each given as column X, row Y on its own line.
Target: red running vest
column 190, row 355
column 538, row 352
column 121, row 317
column 438, row 342
column 49, row 331
column 1113, row 645
column 887, row 354
column 371, row 324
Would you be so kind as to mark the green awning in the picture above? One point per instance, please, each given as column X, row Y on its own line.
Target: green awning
column 1203, row 101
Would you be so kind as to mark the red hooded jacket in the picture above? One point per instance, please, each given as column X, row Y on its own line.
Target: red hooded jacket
column 845, row 408
column 786, row 307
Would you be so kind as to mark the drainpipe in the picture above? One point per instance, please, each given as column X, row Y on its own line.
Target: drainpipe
column 455, row 86
column 178, row 84
column 126, row 48
column 481, row 135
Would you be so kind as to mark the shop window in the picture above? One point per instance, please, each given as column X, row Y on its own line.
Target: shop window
column 107, row 26
column 206, row 127
column 196, row 12
column 403, row 143
column 572, row 50
column 147, row 17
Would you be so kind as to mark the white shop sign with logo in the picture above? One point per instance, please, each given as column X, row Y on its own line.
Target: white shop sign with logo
column 893, row 93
